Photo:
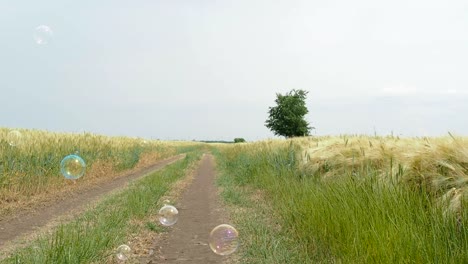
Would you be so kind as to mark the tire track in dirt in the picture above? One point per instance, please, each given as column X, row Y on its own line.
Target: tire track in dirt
column 27, row 222
column 199, row 212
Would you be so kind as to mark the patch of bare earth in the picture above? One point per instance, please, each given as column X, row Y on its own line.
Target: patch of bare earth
column 46, row 211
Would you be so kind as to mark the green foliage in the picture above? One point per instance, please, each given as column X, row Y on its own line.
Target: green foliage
column 287, row 117
column 239, row 140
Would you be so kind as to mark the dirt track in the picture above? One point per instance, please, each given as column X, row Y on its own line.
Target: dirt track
column 26, row 222
column 199, row 212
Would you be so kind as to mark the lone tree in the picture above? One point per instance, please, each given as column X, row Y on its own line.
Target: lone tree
column 287, row 117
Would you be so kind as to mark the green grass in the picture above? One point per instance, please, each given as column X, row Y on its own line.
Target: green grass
column 95, row 234
column 262, row 239
column 356, row 218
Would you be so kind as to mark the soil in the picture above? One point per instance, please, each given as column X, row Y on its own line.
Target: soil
column 26, row 223
column 199, row 212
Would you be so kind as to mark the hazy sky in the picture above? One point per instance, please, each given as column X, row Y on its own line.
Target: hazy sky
column 210, row 69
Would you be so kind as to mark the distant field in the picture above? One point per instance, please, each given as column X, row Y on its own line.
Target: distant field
column 349, row 199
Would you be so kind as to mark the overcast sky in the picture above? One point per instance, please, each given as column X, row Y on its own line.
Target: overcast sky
column 207, row 69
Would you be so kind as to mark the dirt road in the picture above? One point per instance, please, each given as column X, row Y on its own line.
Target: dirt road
column 199, row 212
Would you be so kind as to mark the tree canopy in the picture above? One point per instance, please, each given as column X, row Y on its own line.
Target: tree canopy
column 287, row 117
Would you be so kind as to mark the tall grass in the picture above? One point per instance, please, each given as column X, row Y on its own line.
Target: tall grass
column 32, row 165
column 362, row 199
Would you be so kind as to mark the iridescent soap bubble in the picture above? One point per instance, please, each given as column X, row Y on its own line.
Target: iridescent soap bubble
column 14, row 138
column 224, row 240
column 43, row 35
column 72, row 167
column 168, row 215
column 123, row 252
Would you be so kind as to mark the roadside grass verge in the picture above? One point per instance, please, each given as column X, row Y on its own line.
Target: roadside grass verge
column 263, row 240
column 94, row 235
column 358, row 217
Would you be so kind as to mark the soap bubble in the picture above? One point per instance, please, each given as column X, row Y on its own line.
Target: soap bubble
column 166, row 202
column 43, row 35
column 123, row 252
column 224, row 240
column 14, row 138
column 168, row 215
column 72, row 167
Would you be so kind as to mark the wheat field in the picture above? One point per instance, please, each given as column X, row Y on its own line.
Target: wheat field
column 30, row 161
column 349, row 199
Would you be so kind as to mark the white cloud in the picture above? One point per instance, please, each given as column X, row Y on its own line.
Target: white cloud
column 400, row 90
column 408, row 90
